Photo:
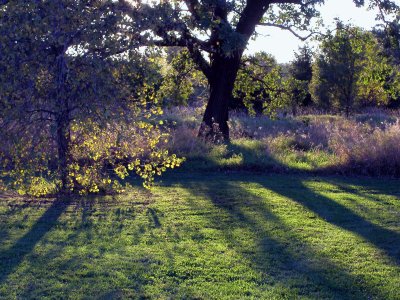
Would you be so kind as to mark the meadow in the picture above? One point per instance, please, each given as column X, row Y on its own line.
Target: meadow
column 149, row 151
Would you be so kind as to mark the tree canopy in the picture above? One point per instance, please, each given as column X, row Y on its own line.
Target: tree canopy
column 351, row 70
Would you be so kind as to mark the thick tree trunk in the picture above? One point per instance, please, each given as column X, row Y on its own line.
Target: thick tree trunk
column 224, row 67
column 62, row 122
column 215, row 120
column 63, row 142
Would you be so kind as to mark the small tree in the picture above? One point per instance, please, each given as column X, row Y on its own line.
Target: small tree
column 62, row 75
column 351, row 71
column 294, row 93
column 256, row 84
column 264, row 87
column 388, row 36
column 301, row 71
column 181, row 78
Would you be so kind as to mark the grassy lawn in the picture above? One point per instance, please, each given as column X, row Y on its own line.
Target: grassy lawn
column 207, row 236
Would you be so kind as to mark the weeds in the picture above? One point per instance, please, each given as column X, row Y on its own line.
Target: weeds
column 366, row 144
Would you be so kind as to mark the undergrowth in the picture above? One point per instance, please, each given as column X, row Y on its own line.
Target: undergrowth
column 365, row 144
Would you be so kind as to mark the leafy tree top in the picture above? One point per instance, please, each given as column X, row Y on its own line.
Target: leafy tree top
column 220, row 26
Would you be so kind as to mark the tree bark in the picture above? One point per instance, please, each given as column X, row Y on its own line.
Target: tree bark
column 224, row 67
column 215, row 120
column 63, row 142
column 62, row 121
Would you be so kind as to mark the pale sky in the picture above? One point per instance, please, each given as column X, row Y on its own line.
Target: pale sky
column 282, row 43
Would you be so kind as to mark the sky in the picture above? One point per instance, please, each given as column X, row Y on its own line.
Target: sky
column 282, row 43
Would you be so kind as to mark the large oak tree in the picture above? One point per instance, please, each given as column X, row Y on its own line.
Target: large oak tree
column 216, row 33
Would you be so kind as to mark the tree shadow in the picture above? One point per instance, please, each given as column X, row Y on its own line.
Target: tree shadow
column 85, row 216
column 15, row 205
column 381, row 186
column 152, row 213
column 11, row 258
column 333, row 212
column 299, row 267
column 319, row 274
column 386, row 240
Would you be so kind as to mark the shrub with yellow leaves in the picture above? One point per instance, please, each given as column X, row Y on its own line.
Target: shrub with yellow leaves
column 103, row 154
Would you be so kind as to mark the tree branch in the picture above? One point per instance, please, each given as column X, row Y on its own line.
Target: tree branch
column 192, row 5
column 199, row 60
column 42, row 111
column 290, row 29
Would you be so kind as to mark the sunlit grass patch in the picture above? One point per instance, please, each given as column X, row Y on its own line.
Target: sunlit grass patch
column 208, row 236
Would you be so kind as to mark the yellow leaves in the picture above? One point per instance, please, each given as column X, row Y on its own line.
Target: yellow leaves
column 121, row 171
column 96, row 153
column 106, row 181
column 94, row 189
column 37, row 187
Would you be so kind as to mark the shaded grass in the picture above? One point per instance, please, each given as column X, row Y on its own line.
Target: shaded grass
column 208, row 236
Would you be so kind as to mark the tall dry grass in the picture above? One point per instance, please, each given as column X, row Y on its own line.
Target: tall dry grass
column 367, row 144
column 367, row 150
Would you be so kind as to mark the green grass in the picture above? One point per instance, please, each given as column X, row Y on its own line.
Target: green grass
column 207, row 236
column 253, row 155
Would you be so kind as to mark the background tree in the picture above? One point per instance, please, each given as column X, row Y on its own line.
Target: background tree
column 182, row 81
column 256, row 84
column 388, row 36
column 351, row 71
column 336, row 69
column 301, row 71
column 294, row 93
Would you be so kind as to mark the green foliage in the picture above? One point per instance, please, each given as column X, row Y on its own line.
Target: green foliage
column 295, row 93
column 263, row 87
column 351, row 71
column 301, row 66
column 259, row 85
column 181, row 79
column 389, row 37
column 301, row 71
column 67, row 73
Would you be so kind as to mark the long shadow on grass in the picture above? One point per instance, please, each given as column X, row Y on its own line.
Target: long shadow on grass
column 11, row 258
column 388, row 187
column 386, row 240
column 331, row 211
column 85, row 215
column 277, row 253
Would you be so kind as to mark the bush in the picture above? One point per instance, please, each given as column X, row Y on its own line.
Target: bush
column 100, row 155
